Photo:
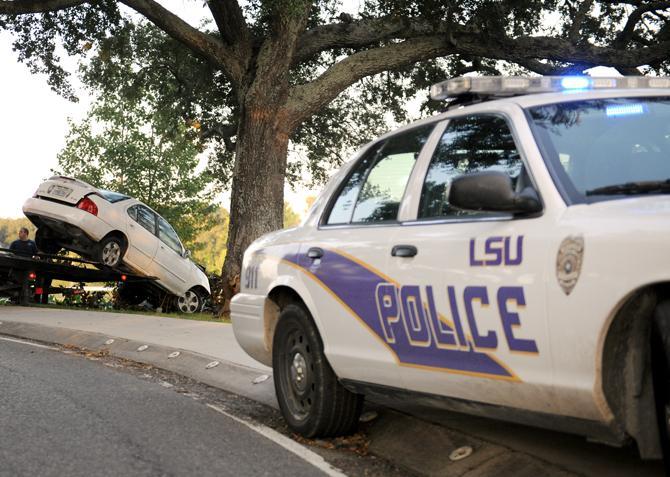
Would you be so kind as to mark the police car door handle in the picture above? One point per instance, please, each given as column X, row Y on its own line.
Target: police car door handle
column 404, row 251
column 314, row 253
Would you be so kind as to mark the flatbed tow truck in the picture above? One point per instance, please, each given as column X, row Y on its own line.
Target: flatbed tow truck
column 28, row 278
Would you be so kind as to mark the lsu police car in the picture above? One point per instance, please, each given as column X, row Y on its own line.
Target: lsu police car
column 509, row 257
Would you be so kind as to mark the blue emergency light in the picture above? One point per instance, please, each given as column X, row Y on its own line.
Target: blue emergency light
column 575, row 82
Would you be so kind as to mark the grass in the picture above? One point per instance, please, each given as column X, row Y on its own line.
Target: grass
column 180, row 316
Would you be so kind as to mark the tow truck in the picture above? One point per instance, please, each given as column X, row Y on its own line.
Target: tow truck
column 27, row 279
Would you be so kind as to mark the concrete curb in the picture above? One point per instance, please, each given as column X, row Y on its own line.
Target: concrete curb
column 228, row 376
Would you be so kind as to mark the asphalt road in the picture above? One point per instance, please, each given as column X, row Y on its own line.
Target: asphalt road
column 64, row 415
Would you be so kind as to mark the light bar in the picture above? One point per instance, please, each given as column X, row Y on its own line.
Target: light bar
column 515, row 85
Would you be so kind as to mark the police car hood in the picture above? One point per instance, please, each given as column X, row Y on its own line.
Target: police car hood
column 654, row 211
column 278, row 237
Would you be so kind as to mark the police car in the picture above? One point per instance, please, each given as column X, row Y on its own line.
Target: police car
column 508, row 258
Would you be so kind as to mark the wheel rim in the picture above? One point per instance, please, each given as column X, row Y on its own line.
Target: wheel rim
column 111, row 254
column 188, row 302
column 298, row 379
column 299, row 372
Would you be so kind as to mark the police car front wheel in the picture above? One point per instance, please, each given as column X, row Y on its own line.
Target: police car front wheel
column 310, row 397
column 660, row 351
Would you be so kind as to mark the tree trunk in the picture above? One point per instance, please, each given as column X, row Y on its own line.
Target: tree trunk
column 257, row 199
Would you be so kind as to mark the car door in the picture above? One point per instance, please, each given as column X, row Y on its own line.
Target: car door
column 142, row 240
column 467, row 300
column 175, row 269
column 346, row 258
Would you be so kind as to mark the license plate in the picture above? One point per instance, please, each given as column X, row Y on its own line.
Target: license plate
column 59, row 191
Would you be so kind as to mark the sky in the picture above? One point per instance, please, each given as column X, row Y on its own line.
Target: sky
column 33, row 126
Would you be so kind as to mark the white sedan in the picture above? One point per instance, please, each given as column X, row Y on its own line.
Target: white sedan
column 508, row 257
column 115, row 230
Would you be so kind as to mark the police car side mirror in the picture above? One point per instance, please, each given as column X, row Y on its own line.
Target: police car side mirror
column 492, row 191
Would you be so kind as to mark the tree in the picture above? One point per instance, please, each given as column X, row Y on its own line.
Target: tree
column 284, row 62
column 124, row 146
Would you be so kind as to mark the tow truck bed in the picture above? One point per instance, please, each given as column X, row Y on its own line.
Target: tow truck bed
column 18, row 272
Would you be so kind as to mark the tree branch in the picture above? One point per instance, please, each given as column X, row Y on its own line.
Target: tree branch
column 230, row 21
column 276, row 53
column 223, row 131
column 307, row 99
column 204, row 45
column 634, row 18
column 520, row 50
column 21, row 7
column 546, row 69
column 362, row 33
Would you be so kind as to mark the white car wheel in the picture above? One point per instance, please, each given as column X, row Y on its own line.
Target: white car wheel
column 189, row 302
column 111, row 253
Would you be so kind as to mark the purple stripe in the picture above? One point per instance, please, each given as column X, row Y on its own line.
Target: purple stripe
column 356, row 286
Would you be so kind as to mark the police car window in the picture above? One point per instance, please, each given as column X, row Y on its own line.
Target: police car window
column 168, row 236
column 344, row 206
column 380, row 196
column 146, row 218
column 469, row 144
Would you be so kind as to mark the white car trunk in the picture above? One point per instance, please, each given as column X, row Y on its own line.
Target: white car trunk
column 64, row 189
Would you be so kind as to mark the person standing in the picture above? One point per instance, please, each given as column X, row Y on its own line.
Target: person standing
column 24, row 246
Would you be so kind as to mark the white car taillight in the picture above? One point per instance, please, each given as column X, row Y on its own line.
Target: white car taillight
column 88, row 205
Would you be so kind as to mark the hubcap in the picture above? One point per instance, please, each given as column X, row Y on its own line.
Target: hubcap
column 111, row 254
column 299, row 372
column 188, row 302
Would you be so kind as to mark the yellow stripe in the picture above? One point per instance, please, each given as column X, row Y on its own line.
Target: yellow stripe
column 366, row 266
column 513, row 378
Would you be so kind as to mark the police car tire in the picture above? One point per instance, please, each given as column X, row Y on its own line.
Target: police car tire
column 660, row 349
column 334, row 411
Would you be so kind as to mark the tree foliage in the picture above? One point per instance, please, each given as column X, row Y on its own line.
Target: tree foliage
column 209, row 246
column 291, row 217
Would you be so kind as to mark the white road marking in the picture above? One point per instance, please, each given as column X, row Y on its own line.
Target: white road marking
column 290, row 445
column 29, row 343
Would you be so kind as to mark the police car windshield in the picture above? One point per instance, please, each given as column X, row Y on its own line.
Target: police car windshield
column 596, row 147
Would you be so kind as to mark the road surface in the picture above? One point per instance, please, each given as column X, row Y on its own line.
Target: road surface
column 64, row 415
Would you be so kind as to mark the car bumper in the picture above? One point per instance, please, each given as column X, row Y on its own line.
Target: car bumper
column 246, row 314
column 65, row 219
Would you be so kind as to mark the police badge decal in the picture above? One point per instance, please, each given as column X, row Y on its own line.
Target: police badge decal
column 569, row 262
